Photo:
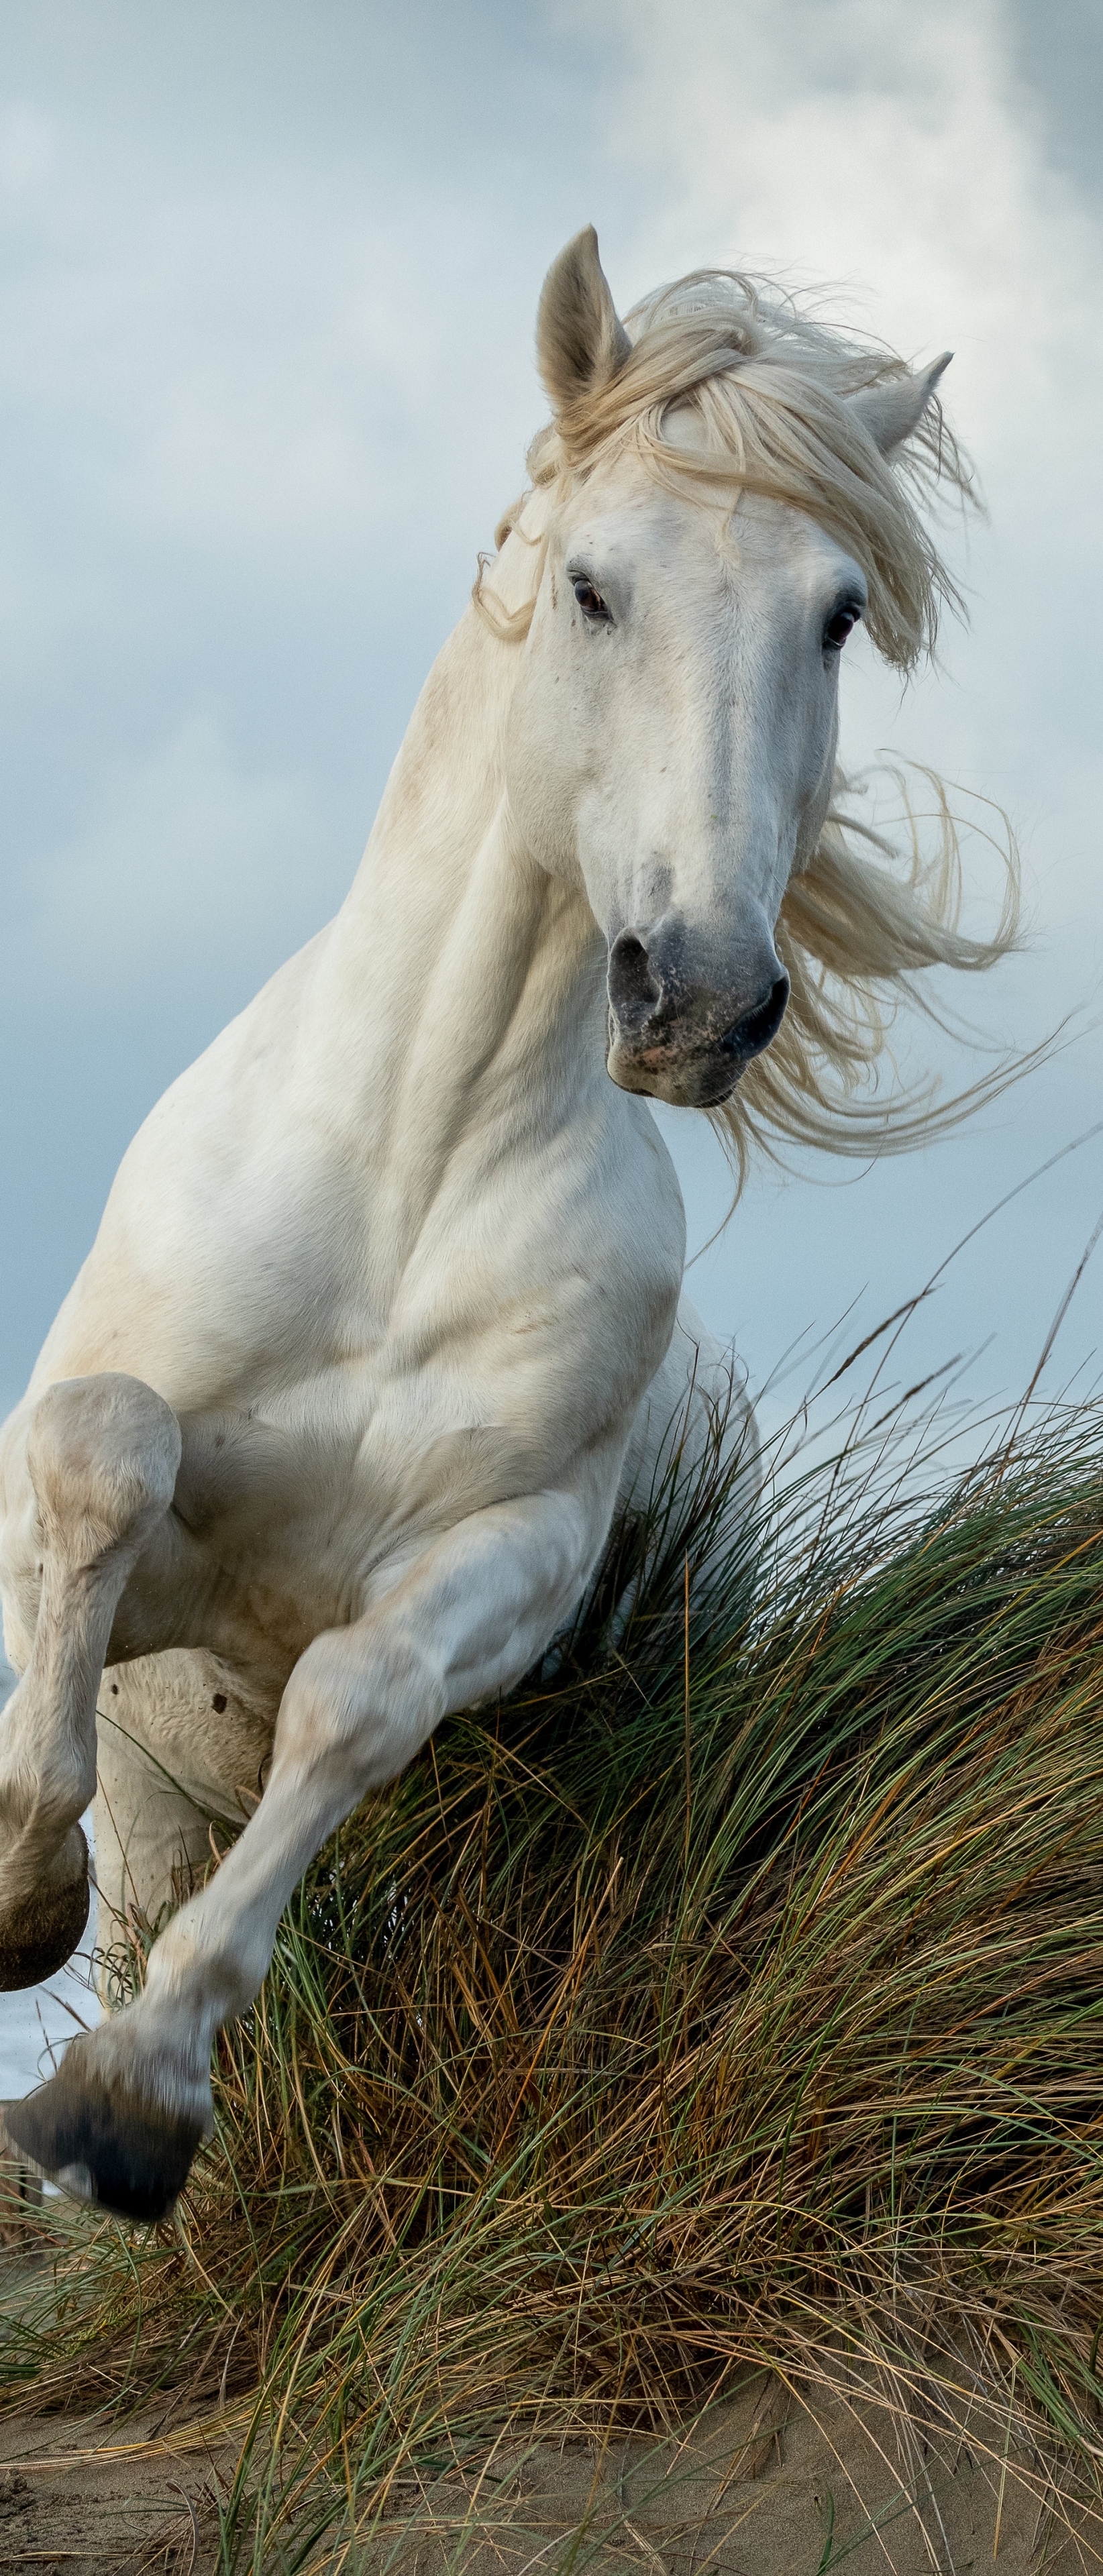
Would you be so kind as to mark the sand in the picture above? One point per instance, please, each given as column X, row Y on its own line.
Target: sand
column 765, row 2486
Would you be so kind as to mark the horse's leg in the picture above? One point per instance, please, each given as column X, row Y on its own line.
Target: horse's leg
column 182, row 1750
column 121, row 2120
column 101, row 1457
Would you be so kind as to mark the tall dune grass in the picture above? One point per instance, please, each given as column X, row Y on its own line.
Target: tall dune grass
column 731, row 1996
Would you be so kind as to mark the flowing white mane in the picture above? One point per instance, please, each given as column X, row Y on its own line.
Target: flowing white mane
column 770, row 386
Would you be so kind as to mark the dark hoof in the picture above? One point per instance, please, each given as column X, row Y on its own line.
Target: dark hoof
column 41, row 1933
column 103, row 2145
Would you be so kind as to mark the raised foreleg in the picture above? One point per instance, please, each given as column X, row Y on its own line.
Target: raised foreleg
column 121, row 2120
column 100, row 1463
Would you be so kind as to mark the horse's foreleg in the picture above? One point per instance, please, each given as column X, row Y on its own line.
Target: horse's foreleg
column 121, row 2120
column 102, row 1455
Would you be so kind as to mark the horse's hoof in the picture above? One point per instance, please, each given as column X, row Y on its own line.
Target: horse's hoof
column 41, row 1931
column 105, row 2144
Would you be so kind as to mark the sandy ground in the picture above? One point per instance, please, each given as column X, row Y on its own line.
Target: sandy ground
column 765, row 2486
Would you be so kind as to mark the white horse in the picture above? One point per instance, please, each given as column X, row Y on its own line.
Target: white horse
column 383, row 1314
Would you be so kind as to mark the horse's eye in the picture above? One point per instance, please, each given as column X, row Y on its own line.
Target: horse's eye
column 589, row 600
column 838, row 628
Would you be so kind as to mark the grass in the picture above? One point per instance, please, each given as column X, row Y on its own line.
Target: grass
column 729, row 1998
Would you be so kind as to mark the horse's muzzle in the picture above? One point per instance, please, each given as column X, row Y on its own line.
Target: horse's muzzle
column 673, row 1036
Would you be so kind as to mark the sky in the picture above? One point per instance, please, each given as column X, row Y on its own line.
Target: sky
column 267, row 294
column 268, row 281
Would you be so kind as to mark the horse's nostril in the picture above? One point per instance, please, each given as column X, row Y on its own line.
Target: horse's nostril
column 634, row 989
column 757, row 1026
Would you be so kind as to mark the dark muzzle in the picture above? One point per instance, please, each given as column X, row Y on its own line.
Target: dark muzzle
column 673, row 1032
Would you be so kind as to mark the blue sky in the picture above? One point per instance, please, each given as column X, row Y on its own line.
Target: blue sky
column 268, row 283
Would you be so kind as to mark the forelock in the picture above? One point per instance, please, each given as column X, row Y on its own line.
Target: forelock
column 771, row 384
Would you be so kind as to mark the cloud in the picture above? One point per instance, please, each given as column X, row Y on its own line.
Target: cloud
column 1058, row 51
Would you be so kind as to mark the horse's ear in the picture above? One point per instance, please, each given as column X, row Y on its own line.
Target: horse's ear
column 891, row 411
column 580, row 342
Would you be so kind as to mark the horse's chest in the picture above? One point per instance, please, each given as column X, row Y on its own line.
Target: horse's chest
column 300, row 1503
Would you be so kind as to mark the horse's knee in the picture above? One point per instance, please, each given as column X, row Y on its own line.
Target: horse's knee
column 360, row 1703
column 103, row 1455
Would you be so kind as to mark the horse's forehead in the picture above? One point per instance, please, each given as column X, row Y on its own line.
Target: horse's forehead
column 627, row 511
column 767, row 532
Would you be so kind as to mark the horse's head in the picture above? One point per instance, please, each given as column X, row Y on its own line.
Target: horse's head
column 674, row 731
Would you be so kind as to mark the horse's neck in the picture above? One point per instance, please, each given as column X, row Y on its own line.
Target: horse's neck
column 459, row 983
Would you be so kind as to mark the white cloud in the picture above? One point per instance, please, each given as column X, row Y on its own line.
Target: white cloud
column 28, row 154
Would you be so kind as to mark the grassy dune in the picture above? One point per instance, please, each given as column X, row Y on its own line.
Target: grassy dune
column 730, row 1997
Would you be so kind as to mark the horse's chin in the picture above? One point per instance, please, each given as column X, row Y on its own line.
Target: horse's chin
column 686, row 1078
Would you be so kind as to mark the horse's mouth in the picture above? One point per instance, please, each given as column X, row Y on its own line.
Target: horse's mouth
column 686, row 1076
